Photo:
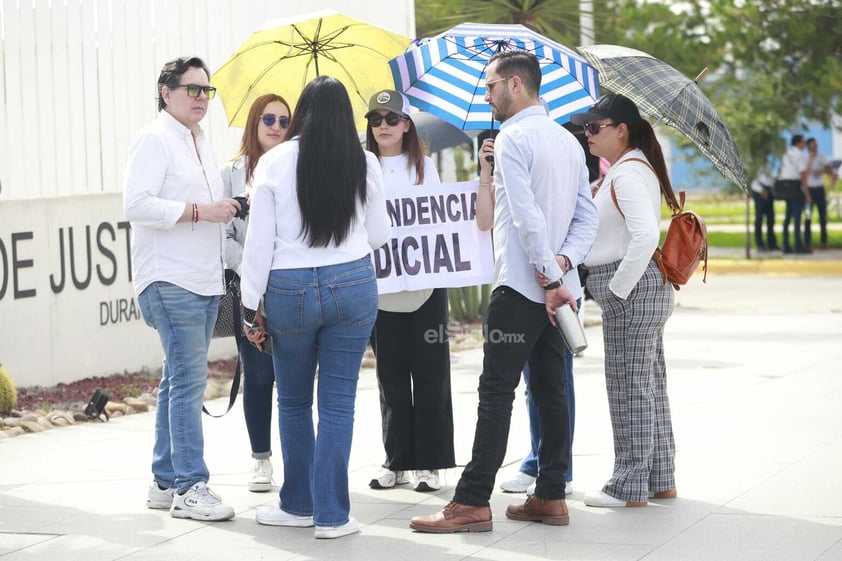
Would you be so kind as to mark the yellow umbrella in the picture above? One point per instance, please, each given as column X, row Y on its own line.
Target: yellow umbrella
column 284, row 54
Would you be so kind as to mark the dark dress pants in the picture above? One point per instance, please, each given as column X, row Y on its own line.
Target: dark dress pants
column 517, row 332
column 764, row 211
column 794, row 209
column 818, row 198
column 413, row 372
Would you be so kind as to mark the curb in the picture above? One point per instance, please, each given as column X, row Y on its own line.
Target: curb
column 786, row 267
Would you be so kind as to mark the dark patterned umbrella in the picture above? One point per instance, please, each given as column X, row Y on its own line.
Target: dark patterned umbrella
column 664, row 93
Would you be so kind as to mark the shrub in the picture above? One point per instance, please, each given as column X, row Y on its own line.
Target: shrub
column 8, row 392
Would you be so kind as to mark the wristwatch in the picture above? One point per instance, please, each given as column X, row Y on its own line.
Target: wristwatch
column 553, row 285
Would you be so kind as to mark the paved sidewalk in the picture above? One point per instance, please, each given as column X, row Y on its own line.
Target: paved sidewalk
column 755, row 386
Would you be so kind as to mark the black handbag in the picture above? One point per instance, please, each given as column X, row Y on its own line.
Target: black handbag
column 787, row 190
column 96, row 406
column 229, row 323
column 228, row 320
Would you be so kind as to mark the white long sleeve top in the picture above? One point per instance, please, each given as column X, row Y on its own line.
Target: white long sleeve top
column 165, row 170
column 632, row 239
column 273, row 238
column 234, row 183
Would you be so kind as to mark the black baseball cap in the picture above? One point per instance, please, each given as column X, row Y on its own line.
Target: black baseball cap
column 616, row 107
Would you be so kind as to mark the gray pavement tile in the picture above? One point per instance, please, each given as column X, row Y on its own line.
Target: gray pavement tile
column 754, row 389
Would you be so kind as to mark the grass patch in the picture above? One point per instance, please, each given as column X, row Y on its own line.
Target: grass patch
column 732, row 209
column 738, row 239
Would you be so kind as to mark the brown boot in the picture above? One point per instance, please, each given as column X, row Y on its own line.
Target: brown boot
column 536, row 509
column 454, row 517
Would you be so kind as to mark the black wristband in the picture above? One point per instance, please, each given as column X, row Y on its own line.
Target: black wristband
column 553, row 285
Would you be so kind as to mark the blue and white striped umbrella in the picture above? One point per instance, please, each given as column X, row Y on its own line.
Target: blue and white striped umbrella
column 445, row 75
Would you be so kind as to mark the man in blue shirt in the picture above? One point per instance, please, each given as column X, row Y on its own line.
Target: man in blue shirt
column 539, row 167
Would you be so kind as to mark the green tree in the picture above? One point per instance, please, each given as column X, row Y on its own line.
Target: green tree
column 774, row 64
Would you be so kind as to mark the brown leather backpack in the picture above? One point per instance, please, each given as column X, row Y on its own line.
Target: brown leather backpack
column 686, row 242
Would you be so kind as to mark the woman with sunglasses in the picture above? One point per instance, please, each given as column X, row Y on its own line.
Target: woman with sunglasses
column 266, row 127
column 413, row 372
column 625, row 281
column 317, row 212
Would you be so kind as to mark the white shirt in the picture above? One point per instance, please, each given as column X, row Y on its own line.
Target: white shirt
column 165, row 170
column 632, row 239
column 274, row 240
column 538, row 175
column 816, row 169
column 397, row 173
column 793, row 163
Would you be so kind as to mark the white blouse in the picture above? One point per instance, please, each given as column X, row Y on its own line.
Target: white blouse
column 274, row 240
column 632, row 239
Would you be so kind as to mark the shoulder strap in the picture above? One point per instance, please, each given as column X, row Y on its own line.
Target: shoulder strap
column 675, row 206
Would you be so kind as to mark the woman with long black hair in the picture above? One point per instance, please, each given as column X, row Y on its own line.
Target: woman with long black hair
column 317, row 212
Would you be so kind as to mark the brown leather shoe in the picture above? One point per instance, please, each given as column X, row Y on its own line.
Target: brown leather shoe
column 454, row 517
column 536, row 509
column 668, row 494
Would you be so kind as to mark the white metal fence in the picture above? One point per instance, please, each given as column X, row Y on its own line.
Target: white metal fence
column 77, row 82
column 77, row 78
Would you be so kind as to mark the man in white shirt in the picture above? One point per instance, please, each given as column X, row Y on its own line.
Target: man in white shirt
column 794, row 172
column 818, row 165
column 539, row 166
column 173, row 199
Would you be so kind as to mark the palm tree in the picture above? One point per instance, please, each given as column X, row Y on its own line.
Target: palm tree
column 556, row 19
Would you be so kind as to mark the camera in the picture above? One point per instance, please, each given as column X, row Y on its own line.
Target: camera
column 244, row 207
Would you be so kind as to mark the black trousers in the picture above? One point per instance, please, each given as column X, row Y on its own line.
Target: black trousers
column 794, row 210
column 818, row 198
column 764, row 211
column 517, row 332
column 413, row 372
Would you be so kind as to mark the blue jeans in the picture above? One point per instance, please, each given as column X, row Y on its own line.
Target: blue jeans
column 258, row 378
column 794, row 210
column 319, row 318
column 184, row 322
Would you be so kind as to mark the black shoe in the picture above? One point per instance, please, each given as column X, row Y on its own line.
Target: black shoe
column 804, row 250
column 762, row 248
column 787, row 250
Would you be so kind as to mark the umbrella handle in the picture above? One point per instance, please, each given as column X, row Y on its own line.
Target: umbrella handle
column 701, row 75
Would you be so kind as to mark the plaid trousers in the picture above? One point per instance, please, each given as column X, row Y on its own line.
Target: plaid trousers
column 635, row 377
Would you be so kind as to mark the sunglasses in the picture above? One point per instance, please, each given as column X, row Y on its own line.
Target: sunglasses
column 594, row 128
column 392, row 119
column 269, row 120
column 193, row 90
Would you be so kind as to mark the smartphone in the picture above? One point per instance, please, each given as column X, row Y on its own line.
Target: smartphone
column 267, row 344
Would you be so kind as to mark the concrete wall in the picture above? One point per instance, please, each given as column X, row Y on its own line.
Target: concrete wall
column 77, row 82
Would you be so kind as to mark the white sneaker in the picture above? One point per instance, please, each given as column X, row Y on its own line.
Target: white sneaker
column 518, row 484
column 427, row 480
column 275, row 516
column 330, row 532
column 200, row 503
column 568, row 489
column 386, row 479
column 261, row 476
column 602, row 499
column 158, row 498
